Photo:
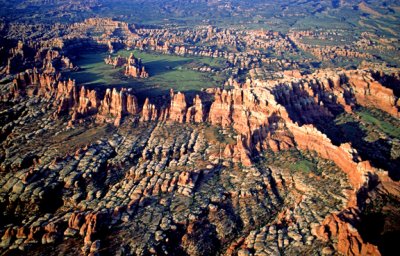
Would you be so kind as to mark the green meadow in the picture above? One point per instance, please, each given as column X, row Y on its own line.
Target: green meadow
column 166, row 72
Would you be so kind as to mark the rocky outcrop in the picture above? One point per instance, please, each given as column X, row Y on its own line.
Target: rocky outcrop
column 308, row 137
column 88, row 104
column 116, row 104
column 34, row 54
column 149, row 111
column 241, row 152
column 65, row 95
column 369, row 92
column 349, row 242
column 221, row 109
column 327, row 52
column 75, row 100
column 252, row 111
column 195, row 113
column 135, row 68
column 32, row 83
column 318, row 98
column 356, row 87
column 116, row 61
column 187, row 182
column 177, row 110
column 178, row 107
column 89, row 226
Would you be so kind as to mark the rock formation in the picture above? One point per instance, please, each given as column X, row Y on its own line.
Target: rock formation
column 135, row 68
column 369, row 92
column 259, row 116
column 178, row 107
column 274, row 115
column 149, row 111
column 116, row 61
column 76, row 100
column 116, row 104
column 195, row 113
column 349, row 241
column 251, row 112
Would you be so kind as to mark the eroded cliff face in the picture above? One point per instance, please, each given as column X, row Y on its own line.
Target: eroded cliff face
column 372, row 93
column 178, row 107
column 349, row 241
column 335, row 91
column 264, row 114
column 196, row 113
column 177, row 110
column 117, row 104
column 277, row 116
column 149, row 111
column 73, row 100
column 256, row 111
column 88, row 104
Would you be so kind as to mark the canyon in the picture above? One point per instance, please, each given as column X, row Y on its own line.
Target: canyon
column 273, row 115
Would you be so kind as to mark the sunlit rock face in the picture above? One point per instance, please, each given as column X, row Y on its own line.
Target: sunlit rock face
column 135, row 68
column 177, row 139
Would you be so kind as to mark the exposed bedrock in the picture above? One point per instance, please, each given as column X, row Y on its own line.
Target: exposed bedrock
column 273, row 115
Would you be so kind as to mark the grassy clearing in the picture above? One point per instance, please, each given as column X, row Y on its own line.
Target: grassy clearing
column 378, row 120
column 303, row 166
column 373, row 124
column 295, row 161
column 166, row 71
